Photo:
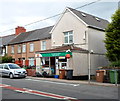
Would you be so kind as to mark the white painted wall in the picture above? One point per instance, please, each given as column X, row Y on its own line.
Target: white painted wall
column 97, row 61
column 69, row 22
column 80, row 64
column 95, row 41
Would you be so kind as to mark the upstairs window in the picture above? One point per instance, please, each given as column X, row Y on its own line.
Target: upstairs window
column 24, row 48
column 19, row 48
column 68, row 37
column 43, row 45
column 12, row 49
column 31, row 47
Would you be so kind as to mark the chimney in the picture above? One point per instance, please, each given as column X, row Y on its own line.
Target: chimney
column 19, row 30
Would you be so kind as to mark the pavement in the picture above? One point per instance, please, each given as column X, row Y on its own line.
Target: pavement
column 74, row 81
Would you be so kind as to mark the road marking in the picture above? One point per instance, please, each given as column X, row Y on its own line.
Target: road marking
column 35, row 92
column 2, row 85
column 55, row 82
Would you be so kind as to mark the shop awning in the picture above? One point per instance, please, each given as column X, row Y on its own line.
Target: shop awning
column 54, row 54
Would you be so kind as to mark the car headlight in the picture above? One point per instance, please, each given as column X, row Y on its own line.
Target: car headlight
column 15, row 72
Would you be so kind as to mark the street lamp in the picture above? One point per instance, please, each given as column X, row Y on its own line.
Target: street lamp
column 89, row 64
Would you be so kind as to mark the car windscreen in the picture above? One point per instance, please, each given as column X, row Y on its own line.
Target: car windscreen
column 14, row 66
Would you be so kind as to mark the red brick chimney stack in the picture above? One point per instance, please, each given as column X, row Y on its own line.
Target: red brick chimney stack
column 19, row 30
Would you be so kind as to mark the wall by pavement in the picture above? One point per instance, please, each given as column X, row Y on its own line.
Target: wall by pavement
column 80, row 63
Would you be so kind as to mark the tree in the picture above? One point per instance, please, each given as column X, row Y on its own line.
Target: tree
column 112, row 39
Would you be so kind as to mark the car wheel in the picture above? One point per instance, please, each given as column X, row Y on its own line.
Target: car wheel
column 11, row 76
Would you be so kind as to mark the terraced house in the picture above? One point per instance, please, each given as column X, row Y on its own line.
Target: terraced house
column 22, row 48
column 74, row 42
column 4, row 42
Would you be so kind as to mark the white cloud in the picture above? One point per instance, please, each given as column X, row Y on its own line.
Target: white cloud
column 21, row 21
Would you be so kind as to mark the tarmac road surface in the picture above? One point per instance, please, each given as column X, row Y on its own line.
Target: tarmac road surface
column 27, row 88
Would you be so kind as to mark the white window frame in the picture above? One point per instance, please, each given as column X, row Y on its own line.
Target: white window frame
column 31, row 61
column 43, row 45
column 19, row 48
column 31, row 47
column 67, row 35
column 23, row 48
column 12, row 49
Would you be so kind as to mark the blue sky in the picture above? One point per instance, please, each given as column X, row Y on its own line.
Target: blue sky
column 21, row 12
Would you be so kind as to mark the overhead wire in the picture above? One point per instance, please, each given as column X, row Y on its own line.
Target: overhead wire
column 54, row 15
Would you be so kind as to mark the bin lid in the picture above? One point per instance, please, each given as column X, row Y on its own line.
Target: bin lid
column 62, row 69
column 100, row 70
column 69, row 69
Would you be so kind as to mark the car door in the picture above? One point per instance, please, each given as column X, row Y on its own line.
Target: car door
column 1, row 69
column 6, row 70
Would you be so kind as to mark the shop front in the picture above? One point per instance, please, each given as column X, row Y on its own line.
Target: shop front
column 53, row 61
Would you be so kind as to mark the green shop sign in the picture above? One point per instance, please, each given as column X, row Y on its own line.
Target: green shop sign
column 55, row 54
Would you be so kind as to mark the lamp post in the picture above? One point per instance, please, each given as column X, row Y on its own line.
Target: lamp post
column 89, row 65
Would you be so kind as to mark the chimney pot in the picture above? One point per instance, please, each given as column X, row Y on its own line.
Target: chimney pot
column 19, row 30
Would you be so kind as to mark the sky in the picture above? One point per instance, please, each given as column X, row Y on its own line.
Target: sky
column 23, row 12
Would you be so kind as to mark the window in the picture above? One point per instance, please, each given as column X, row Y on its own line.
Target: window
column 24, row 48
column 43, row 45
column 31, row 61
column 84, row 36
column 6, row 67
column 31, row 47
column 14, row 66
column 12, row 49
column 1, row 66
column 45, row 61
column 68, row 37
column 19, row 49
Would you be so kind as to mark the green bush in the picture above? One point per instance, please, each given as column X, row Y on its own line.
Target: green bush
column 6, row 59
column 115, row 64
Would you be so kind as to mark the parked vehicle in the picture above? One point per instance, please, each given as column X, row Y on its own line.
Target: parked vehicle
column 12, row 70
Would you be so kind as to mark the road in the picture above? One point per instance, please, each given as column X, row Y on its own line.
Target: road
column 42, row 89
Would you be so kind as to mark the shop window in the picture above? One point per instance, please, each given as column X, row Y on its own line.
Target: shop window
column 45, row 61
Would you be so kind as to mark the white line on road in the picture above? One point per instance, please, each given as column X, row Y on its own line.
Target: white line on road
column 55, row 82
column 36, row 92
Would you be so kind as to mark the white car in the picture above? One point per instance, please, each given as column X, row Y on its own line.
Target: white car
column 12, row 70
